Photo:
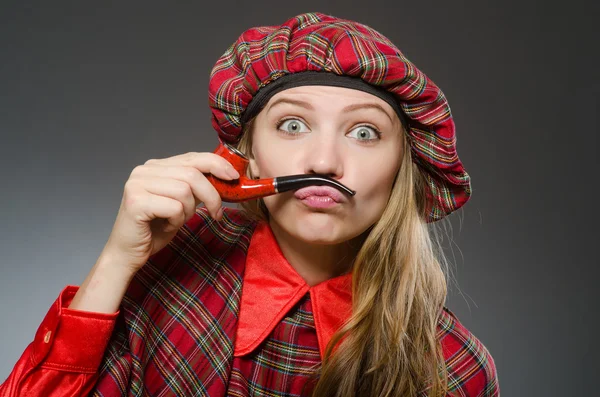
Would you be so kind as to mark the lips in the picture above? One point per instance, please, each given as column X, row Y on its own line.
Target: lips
column 319, row 191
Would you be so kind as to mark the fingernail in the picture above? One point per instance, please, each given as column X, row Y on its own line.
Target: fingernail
column 220, row 214
column 232, row 172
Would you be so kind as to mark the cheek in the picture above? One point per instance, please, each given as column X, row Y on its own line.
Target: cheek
column 272, row 160
column 267, row 168
column 374, row 202
column 266, row 158
column 377, row 184
column 373, row 191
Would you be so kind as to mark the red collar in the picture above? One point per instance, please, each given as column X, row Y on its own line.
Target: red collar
column 272, row 287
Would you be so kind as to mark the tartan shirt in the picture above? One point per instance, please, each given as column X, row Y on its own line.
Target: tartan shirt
column 186, row 327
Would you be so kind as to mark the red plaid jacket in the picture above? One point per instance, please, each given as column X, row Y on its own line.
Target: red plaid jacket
column 187, row 328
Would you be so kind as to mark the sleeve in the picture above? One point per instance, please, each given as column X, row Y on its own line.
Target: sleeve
column 64, row 356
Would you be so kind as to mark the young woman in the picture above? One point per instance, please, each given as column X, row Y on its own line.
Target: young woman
column 307, row 292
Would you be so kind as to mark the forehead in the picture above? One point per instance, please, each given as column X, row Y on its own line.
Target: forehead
column 331, row 99
column 325, row 93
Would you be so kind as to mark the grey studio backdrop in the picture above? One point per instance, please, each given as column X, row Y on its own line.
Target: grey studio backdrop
column 89, row 91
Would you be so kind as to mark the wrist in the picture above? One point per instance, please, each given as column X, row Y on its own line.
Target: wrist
column 115, row 267
column 104, row 287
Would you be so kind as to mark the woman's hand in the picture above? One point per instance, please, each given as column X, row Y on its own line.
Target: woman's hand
column 159, row 198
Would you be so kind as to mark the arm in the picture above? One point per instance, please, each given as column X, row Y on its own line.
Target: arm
column 69, row 345
column 65, row 354
column 88, row 350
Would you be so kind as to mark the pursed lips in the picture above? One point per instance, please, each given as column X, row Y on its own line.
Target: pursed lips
column 320, row 191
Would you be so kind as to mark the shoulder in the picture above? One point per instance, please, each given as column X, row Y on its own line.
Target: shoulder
column 471, row 368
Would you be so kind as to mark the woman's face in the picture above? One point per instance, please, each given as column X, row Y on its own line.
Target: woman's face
column 350, row 135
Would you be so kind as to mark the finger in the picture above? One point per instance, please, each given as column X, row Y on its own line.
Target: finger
column 148, row 206
column 173, row 189
column 202, row 189
column 204, row 162
column 190, row 191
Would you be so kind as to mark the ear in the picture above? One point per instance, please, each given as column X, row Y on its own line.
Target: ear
column 253, row 166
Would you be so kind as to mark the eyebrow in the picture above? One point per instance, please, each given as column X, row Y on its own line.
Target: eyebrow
column 349, row 108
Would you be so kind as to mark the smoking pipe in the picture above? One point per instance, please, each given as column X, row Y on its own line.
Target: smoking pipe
column 244, row 188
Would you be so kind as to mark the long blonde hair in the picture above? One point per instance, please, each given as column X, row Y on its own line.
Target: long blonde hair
column 389, row 346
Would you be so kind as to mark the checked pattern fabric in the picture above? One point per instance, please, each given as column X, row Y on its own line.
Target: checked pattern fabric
column 323, row 43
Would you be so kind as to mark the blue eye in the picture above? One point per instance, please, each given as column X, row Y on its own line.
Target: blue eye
column 292, row 126
column 365, row 133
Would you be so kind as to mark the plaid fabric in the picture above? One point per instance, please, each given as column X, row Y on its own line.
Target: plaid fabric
column 318, row 42
column 175, row 333
column 471, row 368
column 284, row 364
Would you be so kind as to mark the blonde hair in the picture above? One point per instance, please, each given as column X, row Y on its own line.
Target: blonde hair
column 389, row 346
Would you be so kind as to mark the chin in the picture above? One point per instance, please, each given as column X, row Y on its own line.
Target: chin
column 317, row 227
column 320, row 228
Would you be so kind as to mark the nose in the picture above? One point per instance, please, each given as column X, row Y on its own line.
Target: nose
column 324, row 157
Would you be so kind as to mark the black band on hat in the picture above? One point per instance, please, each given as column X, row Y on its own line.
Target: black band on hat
column 318, row 78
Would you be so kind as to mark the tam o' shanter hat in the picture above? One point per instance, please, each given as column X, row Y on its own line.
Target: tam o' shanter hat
column 319, row 49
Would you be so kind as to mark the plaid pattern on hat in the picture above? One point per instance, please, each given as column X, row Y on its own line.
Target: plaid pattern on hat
column 319, row 42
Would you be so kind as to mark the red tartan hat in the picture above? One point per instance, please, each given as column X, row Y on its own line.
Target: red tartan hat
column 323, row 43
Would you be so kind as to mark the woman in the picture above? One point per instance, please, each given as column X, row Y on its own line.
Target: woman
column 303, row 292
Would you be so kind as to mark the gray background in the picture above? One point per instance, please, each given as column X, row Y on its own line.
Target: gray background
column 87, row 92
